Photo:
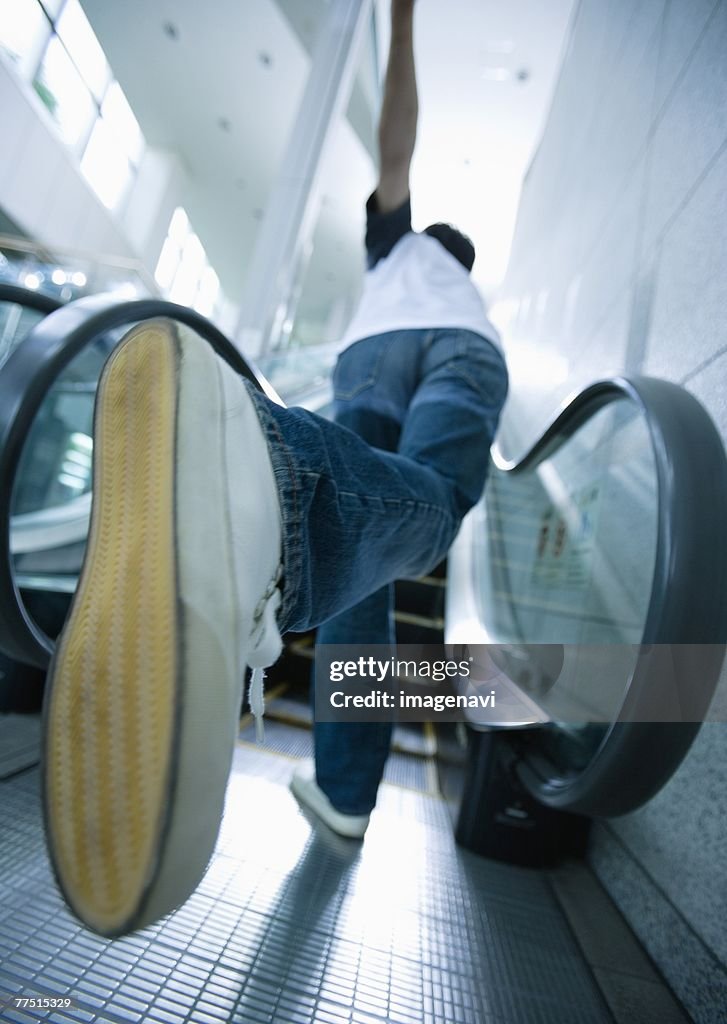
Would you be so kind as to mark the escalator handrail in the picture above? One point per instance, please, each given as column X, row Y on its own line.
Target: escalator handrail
column 688, row 600
column 27, row 375
column 689, row 457
column 17, row 295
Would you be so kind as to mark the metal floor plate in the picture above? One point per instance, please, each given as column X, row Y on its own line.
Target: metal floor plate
column 19, row 743
column 292, row 924
column 401, row 769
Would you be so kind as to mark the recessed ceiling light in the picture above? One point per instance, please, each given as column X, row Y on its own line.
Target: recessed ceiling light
column 170, row 30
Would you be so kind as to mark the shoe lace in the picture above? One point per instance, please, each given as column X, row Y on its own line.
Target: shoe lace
column 265, row 650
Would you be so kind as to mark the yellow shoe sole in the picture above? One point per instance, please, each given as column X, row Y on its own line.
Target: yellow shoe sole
column 121, row 750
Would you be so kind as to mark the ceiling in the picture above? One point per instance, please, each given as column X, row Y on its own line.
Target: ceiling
column 220, row 89
column 208, row 96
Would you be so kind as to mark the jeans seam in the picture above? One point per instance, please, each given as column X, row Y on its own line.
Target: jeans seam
column 400, row 502
column 346, row 396
column 291, row 542
column 455, row 366
column 475, row 384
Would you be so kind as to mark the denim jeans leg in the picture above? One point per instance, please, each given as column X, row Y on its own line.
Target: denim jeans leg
column 350, row 756
column 452, row 419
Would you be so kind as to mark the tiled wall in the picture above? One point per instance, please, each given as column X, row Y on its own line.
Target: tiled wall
column 620, row 265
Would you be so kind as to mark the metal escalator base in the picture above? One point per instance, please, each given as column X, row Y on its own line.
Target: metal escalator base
column 293, row 924
column 19, row 743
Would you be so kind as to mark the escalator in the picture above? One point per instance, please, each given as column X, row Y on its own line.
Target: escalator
column 595, row 571
column 593, row 575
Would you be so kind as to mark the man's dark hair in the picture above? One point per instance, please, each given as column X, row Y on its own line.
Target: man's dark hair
column 459, row 245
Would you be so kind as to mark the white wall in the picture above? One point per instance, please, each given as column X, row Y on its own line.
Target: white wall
column 620, row 264
column 160, row 187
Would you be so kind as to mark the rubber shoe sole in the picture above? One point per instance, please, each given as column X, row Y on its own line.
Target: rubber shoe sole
column 145, row 686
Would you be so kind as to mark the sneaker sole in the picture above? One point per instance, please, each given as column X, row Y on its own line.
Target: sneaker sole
column 136, row 756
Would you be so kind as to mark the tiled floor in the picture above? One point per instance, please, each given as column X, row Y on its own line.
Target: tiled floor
column 292, row 924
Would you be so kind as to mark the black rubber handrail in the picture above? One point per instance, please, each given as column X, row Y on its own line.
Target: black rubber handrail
column 686, row 622
column 28, row 298
column 29, row 372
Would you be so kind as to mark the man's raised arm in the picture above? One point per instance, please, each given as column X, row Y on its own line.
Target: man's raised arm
column 399, row 111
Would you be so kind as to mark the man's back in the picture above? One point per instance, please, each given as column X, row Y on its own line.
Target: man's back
column 418, row 285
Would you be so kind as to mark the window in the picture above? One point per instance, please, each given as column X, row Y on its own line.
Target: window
column 183, row 272
column 55, row 48
column 114, row 148
column 24, row 33
column 83, row 48
column 64, row 93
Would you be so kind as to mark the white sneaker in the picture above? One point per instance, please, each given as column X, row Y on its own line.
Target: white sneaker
column 177, row 595
column 304, row 787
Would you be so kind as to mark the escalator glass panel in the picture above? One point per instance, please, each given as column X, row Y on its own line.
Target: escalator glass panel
column 563, row 566
column 52, row 495
column 565, row 554
column 15, row 322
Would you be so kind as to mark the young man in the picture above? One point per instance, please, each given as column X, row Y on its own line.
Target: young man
column 221, row 520
column 420, row 318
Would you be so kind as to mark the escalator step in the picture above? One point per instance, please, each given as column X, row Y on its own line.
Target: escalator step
column 291, row 924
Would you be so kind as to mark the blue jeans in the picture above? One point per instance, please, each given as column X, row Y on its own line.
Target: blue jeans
column 377, row 496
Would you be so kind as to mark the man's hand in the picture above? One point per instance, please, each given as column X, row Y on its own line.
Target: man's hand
column 399, row 111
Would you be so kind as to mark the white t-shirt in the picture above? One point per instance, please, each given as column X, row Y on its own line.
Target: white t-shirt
column 418, row 285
